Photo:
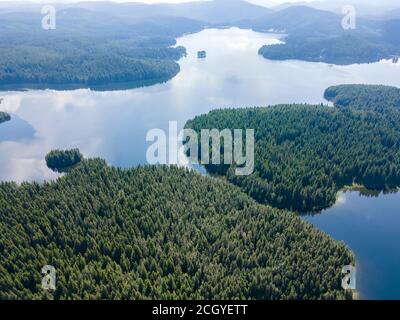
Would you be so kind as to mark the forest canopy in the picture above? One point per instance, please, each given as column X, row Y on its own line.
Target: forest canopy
column 305, row 154
column 319, row 36
column 158, row 233
column 341, row 50
column 89, row 49
column 376, row 97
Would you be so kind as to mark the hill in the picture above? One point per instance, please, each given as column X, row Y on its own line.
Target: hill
column 211, row 12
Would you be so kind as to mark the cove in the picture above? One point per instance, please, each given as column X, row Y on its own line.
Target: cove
column 370, row 226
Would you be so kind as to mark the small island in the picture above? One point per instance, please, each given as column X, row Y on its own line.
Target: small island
column 4, row 117
column 63, row 160
column 201, row 54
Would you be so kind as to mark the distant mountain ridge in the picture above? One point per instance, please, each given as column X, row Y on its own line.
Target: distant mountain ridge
column 364, row 8
column 295, row 19
column 217, row 11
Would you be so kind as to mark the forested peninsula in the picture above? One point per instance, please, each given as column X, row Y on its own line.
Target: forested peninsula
column 158, row 233
column 320, row 36
column 119, row 53
column 373, row 97
column 305, row 154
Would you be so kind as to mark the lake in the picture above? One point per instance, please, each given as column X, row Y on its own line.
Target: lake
column 113, row 125
column 370, row 226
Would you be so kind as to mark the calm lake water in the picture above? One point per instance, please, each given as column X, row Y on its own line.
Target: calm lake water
column 113, row 125
column 370, row 226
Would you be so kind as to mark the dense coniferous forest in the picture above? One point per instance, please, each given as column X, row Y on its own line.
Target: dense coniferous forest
column 4, row 117
column 47, row 70
column 84, row 52
column 63, row 160
column 84, row 64
column 342, row 50
column 377, row 97
column 318, row 36
column 305, row 154
column 159, row 233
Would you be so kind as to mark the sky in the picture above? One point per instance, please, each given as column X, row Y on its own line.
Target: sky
column 261, row 2
column 267, row 3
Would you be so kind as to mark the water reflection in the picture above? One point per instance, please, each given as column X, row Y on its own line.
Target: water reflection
column 370, row 226
column 16, row 129
column 113, row 125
